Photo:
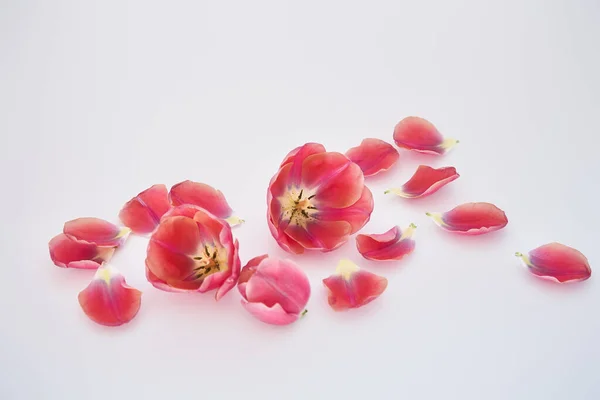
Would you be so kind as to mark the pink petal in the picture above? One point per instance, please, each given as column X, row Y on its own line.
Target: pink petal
column 414, row 133
column 558, row 262
column 321, row 235
column 185, row 210
column 279, row 282
column 274, row 315
column 201, row 195
column 391, row 245
column 232, row 279
column 357, row 215
column 68, row 252
column 296, row 160
column 471, row 219
column 143, row 213
column 351, row 287
column 96, row 230
column 108, row 300
column 426, row 181
column 247, row 272
column 373, row 156
column 338, row 181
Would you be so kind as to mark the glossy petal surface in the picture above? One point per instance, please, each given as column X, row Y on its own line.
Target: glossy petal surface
column 351, row 287
column 471, row 219
column 274, row 291
column 425, row 181
column 143, row 213
column 391, row 245
column 108, row 300
column 201, row 195
column 373, row 156
column 68, row 252
column 557, row 262
column 414, row 133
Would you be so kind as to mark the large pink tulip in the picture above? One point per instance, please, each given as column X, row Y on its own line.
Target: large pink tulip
column 316, row 200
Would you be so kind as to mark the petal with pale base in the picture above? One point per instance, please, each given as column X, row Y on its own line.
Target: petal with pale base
column 143, row 213
column 352, row 287
column 471, row 218
column 373, row 156
column 557, row 262
column 69, row 252
column 391, row 245
column 108, row 300
column 418, row 134
column 425, row 181
column 97, row 231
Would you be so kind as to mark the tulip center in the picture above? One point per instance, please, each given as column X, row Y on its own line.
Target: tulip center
column 297, row 206
column 211, row 260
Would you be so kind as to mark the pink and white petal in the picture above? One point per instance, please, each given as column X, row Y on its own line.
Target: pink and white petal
column 201, row 195
column 279, row 282
column 351, row 287
column 425, row 181
column 558, row 262
column 108, row 300
column 373, row 156
column 143, row 212
column 96, row 230
column 68, row 252
column 357, row 215
column 274, row 315
column 414, row 133
column 471, row 218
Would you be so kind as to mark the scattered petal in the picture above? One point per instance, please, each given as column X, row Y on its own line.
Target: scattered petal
column 69, row 252
column 143, row 213
column 558, row 262
column 425, row 181
column 373, row 156
column 274, row 291
column 201, row 195
column 96, row 230
column 351, row 287
column 108, row 300
column 391, row 245
column 414, row 133
column 316, row 200
column 471, row 219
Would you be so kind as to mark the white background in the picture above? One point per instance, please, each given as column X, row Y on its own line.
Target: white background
column 98, row 102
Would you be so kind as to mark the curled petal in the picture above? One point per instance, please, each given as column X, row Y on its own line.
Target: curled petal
column 351, row 287
column 201, row 195
column 275, row 291
column 143, row 213
column 301, row 152
column 373, row 156
column 425, row 181
column 414, row 133
column 69, row 252
column 557, row 262
column 108, row 300
column 391, row 245
column 97, row 231
column 471, row 219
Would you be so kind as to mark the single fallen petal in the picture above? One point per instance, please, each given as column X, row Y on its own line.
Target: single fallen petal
column 204, row 196
column 143, row 213
column 274, row 291
column 391, row 245
column 471, row 219
column 69, row 252
column 425, row 181
column 557, row 262
column 373, row 156
column 351, row 287
column 414, row 133
column 97, row 231
column 108, row 300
